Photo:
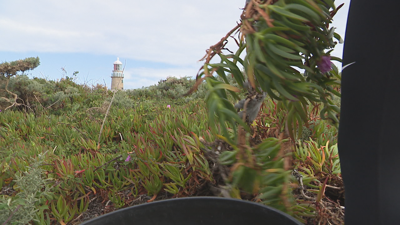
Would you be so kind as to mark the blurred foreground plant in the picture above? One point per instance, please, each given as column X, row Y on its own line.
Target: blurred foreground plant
column 28, row 203
column 287, row 59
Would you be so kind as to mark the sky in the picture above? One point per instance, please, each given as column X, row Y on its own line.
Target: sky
column 154, row 40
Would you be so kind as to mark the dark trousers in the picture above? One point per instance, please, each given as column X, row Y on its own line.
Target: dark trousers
column 369, row 132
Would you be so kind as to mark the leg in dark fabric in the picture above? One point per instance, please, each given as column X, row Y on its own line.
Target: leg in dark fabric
column 369, row 132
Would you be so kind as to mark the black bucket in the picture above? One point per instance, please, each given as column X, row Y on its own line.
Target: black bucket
column 196, row 211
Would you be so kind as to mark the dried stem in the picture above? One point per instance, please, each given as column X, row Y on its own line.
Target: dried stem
column 213, row 50
column 105, row 117
column 106, row 163
column 8, row 100
column 266, row 17
column 38, row 101
column 53, row 103
column 108, row 110
column 12, row 214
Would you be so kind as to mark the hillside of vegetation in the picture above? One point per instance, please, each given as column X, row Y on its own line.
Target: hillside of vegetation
column 72, row 152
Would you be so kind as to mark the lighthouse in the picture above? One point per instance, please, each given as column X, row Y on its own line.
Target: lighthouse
column 117, row 76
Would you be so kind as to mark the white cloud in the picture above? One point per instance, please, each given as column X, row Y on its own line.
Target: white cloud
column 175, row 32
column 169, row 32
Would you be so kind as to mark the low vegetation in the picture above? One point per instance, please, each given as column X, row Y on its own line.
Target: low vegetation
column 61, row 164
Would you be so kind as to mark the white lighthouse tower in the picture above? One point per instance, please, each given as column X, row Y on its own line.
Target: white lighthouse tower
column 117, row 76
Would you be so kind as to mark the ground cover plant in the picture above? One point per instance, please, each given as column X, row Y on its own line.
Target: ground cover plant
column 72, row 152
column 153, row 150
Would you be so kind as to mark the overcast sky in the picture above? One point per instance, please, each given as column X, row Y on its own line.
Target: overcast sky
column 153, row 39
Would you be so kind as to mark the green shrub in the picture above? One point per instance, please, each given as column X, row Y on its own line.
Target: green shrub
column 27, row 204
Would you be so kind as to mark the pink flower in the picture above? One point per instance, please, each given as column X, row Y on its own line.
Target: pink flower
column 325, row 65
column 128, row 158
column 168, row 106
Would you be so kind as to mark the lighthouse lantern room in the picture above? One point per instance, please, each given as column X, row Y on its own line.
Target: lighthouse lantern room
column 117, row 76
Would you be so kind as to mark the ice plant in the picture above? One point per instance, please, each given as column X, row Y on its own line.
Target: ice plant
column 325, row 64
column 168, row 106
column 128, row 158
